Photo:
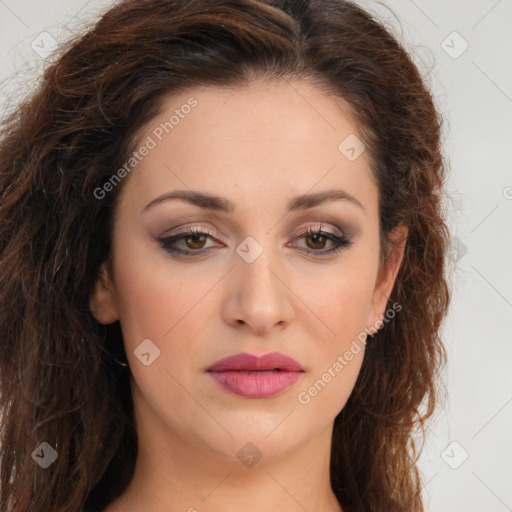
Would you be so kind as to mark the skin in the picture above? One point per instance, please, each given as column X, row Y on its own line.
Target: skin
column 256, row 146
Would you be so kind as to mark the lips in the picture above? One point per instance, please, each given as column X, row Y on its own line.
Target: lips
column 270, row 361
column 253, row 376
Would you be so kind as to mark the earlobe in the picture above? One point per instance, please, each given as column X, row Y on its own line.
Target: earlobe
column 102, row 299
column 387, row 276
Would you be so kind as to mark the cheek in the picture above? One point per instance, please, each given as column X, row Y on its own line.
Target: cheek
column 344, row 305
column 341, row 298
column 343, row 302
column 147, row 306
column 325, row 394
column 158, row 301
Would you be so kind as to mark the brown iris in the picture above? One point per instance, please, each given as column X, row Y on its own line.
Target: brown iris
column 196, row 239
column 320, row 239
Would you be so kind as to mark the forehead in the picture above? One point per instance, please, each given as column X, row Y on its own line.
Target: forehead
column 258, row 140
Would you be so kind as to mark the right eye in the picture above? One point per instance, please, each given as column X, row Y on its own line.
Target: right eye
column 192, row 242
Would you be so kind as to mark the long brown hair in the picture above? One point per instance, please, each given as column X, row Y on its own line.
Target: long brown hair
column 59, row 377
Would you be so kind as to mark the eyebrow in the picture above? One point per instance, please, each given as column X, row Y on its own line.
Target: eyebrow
column 212, row 202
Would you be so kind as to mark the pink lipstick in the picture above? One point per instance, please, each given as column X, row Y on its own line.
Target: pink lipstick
column 254, row 376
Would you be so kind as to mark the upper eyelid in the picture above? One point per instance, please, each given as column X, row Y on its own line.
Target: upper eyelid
column 202, row 230
column 323, row 228
column 194, row 230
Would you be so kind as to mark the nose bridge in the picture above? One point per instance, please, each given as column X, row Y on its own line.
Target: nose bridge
column 260, row 298
column 258, row 276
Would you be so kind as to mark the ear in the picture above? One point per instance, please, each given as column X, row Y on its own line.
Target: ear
column 386, row 277
column 102, row 299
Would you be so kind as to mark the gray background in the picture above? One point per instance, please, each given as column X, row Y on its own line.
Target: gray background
column 466, row 461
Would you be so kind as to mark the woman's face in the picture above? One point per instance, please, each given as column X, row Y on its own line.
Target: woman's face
column 255, row 168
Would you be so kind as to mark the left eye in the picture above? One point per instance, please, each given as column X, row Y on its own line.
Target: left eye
column 316, row 239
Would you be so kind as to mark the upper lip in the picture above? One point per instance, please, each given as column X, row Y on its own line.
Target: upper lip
column 245, row 361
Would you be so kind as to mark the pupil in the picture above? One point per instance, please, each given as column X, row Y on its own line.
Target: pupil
column 316, row 240
column 195, row 240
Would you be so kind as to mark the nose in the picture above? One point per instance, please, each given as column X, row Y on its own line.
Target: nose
column 258, row 296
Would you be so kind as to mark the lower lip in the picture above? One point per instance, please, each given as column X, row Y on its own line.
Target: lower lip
column 256, row 385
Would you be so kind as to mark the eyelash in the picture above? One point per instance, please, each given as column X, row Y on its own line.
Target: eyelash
column 340, row 241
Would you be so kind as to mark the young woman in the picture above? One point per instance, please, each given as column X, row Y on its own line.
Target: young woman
column 221, row 265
